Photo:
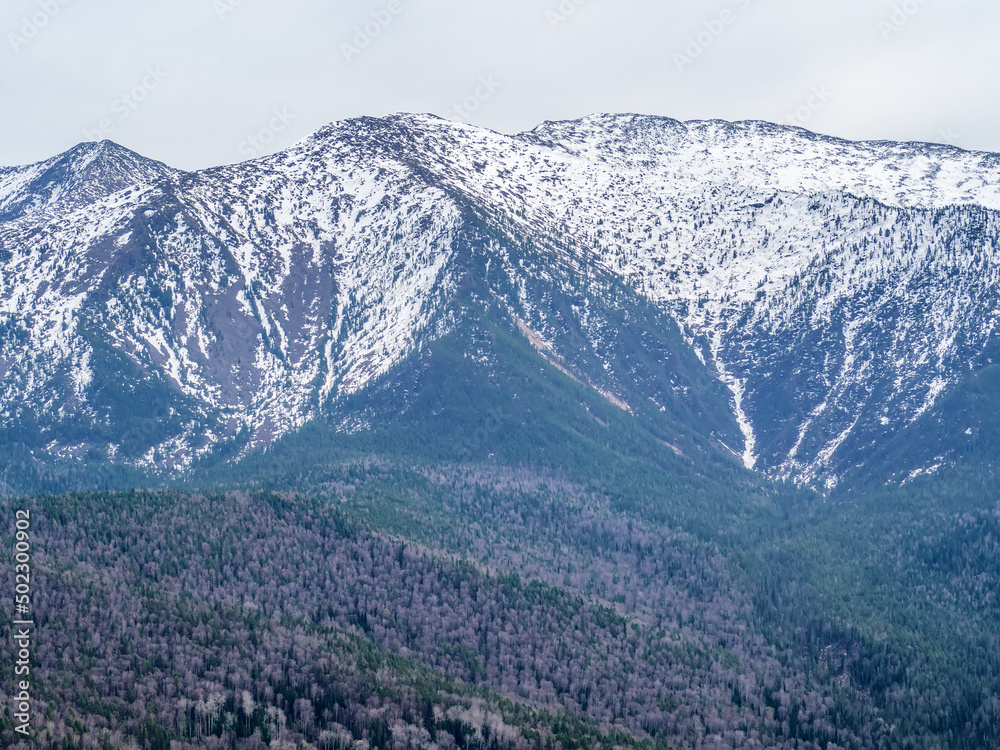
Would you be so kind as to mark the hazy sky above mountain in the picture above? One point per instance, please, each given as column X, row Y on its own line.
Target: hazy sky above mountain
column 202, row 82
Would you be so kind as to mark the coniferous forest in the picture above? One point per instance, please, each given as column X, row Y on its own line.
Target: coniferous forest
column 398, row 604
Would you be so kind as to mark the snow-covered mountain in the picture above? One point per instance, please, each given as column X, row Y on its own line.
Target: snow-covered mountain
column 837, row 289
column 80, row 177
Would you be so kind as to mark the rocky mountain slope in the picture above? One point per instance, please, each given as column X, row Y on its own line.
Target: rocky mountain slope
column 837, row 290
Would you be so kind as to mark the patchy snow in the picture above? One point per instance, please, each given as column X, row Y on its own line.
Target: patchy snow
column 268, row 289
column 738, row 388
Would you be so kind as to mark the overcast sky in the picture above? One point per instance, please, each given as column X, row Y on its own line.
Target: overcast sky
column 197, row 83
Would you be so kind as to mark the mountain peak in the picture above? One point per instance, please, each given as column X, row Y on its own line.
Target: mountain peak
column 85, row 173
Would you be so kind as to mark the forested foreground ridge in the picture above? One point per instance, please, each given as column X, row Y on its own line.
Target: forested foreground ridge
column 256, row 619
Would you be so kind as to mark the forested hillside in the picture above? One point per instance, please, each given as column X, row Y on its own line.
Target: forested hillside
column 538, row 614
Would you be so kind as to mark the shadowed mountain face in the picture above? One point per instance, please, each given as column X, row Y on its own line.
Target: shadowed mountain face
column 741, row 291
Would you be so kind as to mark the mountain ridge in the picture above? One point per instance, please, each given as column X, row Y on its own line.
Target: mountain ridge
column 748, row 234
